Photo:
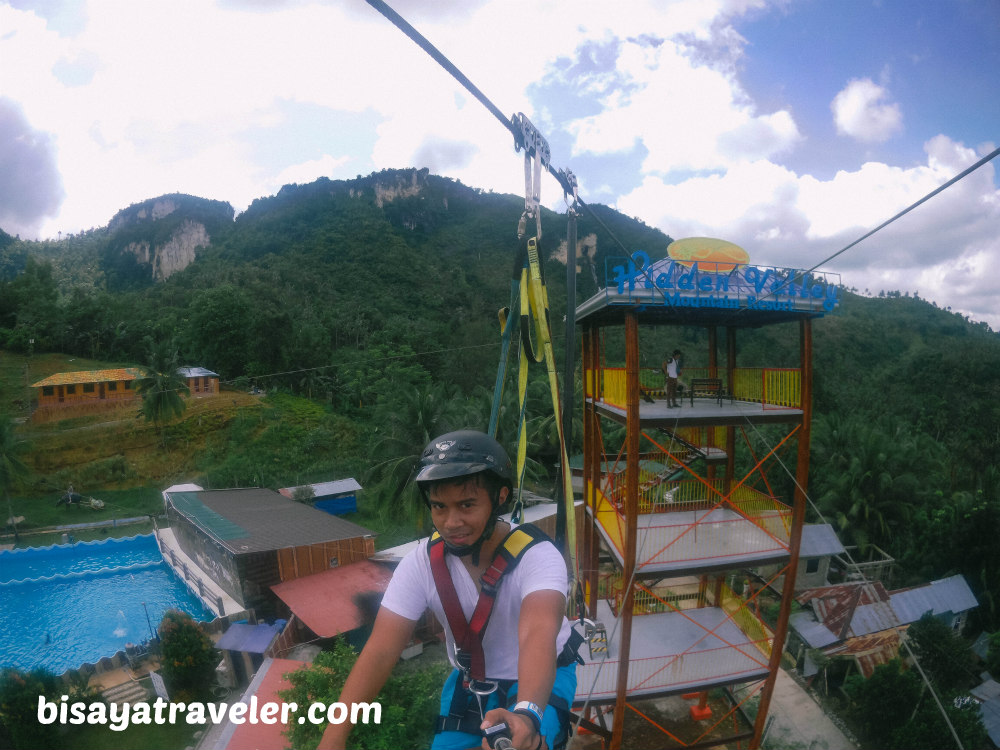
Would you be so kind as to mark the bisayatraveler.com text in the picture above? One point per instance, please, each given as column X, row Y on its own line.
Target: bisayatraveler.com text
column 118, row 716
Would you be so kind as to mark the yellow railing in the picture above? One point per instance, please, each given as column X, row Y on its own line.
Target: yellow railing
column 767, row 386
column 658, row 496
column 660, row 599
column 614, row 386
column 740, row 613
column 770, row 514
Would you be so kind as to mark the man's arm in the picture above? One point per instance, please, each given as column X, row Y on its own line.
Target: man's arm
column 389, row 637
column 538, row 627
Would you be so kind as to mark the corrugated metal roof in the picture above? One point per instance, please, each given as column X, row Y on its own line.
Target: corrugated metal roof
column 196, row 372
column 267, row 520
column 90, row 376
column 220, row 527
column 820, row 540
column 986, row 691
column 938, row 597
column 990, row 713
column 869, row 651
column 326, row 489
column 253, row 639
column 988, row 695
column 873, row 618
column 815, row 634
column 834, row 605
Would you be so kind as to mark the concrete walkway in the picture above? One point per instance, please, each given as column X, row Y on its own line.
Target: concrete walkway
column 800, row 722
column 189, row 568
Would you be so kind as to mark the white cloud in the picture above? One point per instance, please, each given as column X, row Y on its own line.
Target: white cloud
column 947, row 249
column 687, row 114
column 143, row 99
column 861, row 110
column 309, row 171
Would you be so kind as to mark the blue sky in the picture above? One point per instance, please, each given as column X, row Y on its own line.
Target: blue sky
column 790, row 127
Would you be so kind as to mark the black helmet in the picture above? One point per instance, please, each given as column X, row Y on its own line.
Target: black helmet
column 463, row 453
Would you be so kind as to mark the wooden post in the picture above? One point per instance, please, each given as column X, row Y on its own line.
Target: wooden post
column 591, row 464
column 631, row 511
column 798, row 516
column 713, row 358
column 730, row 430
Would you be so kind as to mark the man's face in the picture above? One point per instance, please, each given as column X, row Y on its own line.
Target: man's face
column 460, row 512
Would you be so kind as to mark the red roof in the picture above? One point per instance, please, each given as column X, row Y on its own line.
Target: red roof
column 869, row 651
column 334, row 601
column 262, row 736
column 835, row 605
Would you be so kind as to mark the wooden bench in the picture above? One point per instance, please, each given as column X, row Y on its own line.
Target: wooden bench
column 706, row 388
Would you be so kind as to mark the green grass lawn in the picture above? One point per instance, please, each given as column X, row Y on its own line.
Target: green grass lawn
column 84, row 535
column 136, row 737
column 42, row 511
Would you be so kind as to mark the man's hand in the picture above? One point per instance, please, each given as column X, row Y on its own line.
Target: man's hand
column 522, row 729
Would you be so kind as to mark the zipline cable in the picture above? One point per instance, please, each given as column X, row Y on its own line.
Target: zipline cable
column 961, row 175
column 866, row 583
column 563, row 177
column 532, row 292
column 989, row 157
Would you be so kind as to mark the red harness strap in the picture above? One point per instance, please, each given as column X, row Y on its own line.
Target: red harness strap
column 468, row 634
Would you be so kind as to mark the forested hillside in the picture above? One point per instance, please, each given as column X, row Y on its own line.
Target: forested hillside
column 377, row 299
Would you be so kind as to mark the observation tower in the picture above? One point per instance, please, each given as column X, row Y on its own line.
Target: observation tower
column 686, row 506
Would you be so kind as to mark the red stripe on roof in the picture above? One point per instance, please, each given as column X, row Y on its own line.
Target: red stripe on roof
column 327, row 602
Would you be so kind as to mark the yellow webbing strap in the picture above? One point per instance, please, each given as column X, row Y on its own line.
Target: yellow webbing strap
column 535, row 303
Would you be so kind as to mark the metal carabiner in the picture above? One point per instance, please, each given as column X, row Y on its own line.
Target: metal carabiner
column 482, row 689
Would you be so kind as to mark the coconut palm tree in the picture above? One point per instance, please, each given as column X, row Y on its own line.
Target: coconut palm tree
column 408, row 422
column 161, row 387
column 876, row 474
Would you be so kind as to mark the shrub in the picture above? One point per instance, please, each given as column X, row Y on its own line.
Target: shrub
column 188, row 657
column 409, row 700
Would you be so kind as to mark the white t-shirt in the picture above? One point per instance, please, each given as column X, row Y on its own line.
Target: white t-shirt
column 411, row 591
column 672, row 368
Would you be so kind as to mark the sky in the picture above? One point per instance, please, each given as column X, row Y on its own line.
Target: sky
column 790, row 127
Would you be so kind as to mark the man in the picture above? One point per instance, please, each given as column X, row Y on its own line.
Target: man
column 522, row 662
column 672, row 369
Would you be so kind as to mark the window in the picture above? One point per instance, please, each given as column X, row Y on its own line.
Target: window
column 128, row 385
column 88, row 387
column 112, row 386
column 812, row 565
column 47, row 390
column 70, row 389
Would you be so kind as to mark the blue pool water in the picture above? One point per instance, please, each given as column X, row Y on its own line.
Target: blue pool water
column 64, row 605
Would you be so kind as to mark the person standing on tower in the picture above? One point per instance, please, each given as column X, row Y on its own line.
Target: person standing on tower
column 672, row 370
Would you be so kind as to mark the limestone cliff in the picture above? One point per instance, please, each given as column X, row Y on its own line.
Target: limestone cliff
column 163, row 234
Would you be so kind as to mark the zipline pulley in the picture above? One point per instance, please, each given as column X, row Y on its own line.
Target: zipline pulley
column 536, row 158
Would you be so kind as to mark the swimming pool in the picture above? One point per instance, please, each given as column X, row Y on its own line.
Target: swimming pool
column 67, row 604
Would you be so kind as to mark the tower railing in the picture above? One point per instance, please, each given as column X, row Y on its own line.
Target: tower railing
column 768, row 386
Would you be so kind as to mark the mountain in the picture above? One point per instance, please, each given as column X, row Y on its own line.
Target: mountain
column 152, row 240
column 376, row 298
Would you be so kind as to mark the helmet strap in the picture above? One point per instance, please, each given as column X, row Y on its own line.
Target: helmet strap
column 475, row 548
